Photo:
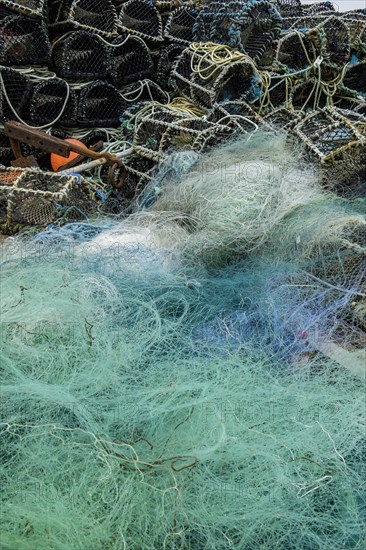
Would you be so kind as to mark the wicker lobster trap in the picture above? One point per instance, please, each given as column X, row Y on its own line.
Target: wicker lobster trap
column 179, row 26
column 83, row 55
column 24, row 41
column 207, row 79
column 97, row 16
column 142, row 19
column 329, row 135
column 162, row 130
column 250, row 27
column 15, row 93
column 30, row 197
column 32, row 8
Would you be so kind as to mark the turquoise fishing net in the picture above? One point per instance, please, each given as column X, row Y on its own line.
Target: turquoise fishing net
column 152, row 399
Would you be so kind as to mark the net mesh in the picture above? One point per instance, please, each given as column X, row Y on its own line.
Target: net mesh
column 141, row 18
column 24, row 41
column 30, row 197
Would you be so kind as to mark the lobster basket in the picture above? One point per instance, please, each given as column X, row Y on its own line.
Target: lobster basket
column 283, row 118
column 179, row 27
column 248, row 27
column 237, row 114
column 32, row 8
column 166, row 59
column 130, row 60
column 97, row 16
column 30, row 197
column 164, row 131
column 355, row 78
column 100, row 105
column 199, row 77
column 289, row 8
column 144, row 90
column 24, row 41
column 6, row 152
column 53, row 103
column 335, row 41
column 330, row 136
column 297, row 50
column 305, row 95
column 15, row 94
column 142, row 19
column 81, row 55
column 324, row 8
column 138, row 176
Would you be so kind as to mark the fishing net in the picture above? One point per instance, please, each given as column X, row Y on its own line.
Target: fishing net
column 179, row 27
column 52, row 103
column 24, row 41
column 306, row 95
column 168, row 402
column 26, row 7
column 141, row 18
column 249, row 27
column 97, row 16
column 30, row 197
column 6, row 153
column 210, row 73
column 15, row 93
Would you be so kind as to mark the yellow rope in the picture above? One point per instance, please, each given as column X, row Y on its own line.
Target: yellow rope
column 182, row 105
column 214, row 56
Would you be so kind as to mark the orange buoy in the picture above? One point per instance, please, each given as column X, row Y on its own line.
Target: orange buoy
column 57, row 161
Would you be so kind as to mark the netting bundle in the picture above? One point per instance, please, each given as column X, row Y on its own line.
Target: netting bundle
column 208, row 73
column 24, row 41
column 150, row 404
column 27, row 7
column 30, row 197
column 179, row 27
column 15, row 93
column 97, row 16
column 100, row 104
column 141, row 18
